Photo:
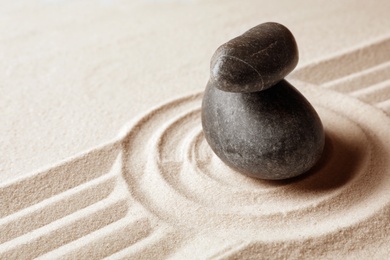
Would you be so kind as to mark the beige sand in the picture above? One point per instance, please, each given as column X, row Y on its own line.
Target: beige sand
column 76, row 73
column 158, row 190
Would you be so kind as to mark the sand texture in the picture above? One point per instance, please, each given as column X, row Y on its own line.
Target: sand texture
column 362, row 72
column 158, row 190
column 104, row 155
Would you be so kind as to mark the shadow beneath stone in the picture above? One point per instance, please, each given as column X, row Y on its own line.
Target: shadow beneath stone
column 340, row 162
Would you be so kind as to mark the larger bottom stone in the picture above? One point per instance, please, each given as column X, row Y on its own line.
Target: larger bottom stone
column 273, row 134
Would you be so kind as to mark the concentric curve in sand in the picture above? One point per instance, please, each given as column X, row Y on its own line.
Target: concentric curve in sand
column 160, row 183
column 171, row 171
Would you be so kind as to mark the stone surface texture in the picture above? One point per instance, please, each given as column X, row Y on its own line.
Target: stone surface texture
column 255, row 60
column 272, row 134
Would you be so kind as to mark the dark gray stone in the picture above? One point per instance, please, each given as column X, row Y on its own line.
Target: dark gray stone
column 256, row 60
column 271, row 134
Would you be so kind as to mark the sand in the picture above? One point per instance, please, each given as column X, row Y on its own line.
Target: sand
column 103, row 154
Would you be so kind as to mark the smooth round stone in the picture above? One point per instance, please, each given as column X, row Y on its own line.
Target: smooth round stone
column 256, row 60
column 273, row 134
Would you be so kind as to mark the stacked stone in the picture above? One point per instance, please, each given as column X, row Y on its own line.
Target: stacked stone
column 254, row 120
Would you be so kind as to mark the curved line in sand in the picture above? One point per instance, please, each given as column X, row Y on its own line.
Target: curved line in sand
column 175, row 176
column 175, row 186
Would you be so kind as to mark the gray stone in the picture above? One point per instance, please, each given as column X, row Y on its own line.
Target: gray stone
column 271, row 134
column 256, row 60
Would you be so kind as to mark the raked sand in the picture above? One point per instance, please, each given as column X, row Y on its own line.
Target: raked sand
column 102, row 151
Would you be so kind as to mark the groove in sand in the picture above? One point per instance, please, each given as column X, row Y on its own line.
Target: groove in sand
column 159, row 171
column 362, row 72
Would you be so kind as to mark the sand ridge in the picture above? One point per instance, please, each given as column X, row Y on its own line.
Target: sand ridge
column 362, row 72
column 159, row 187
column 157, row 191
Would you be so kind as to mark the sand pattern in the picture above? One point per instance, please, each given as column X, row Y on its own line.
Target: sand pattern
column 76, row 209
column 363, row 72
column 157, row 190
